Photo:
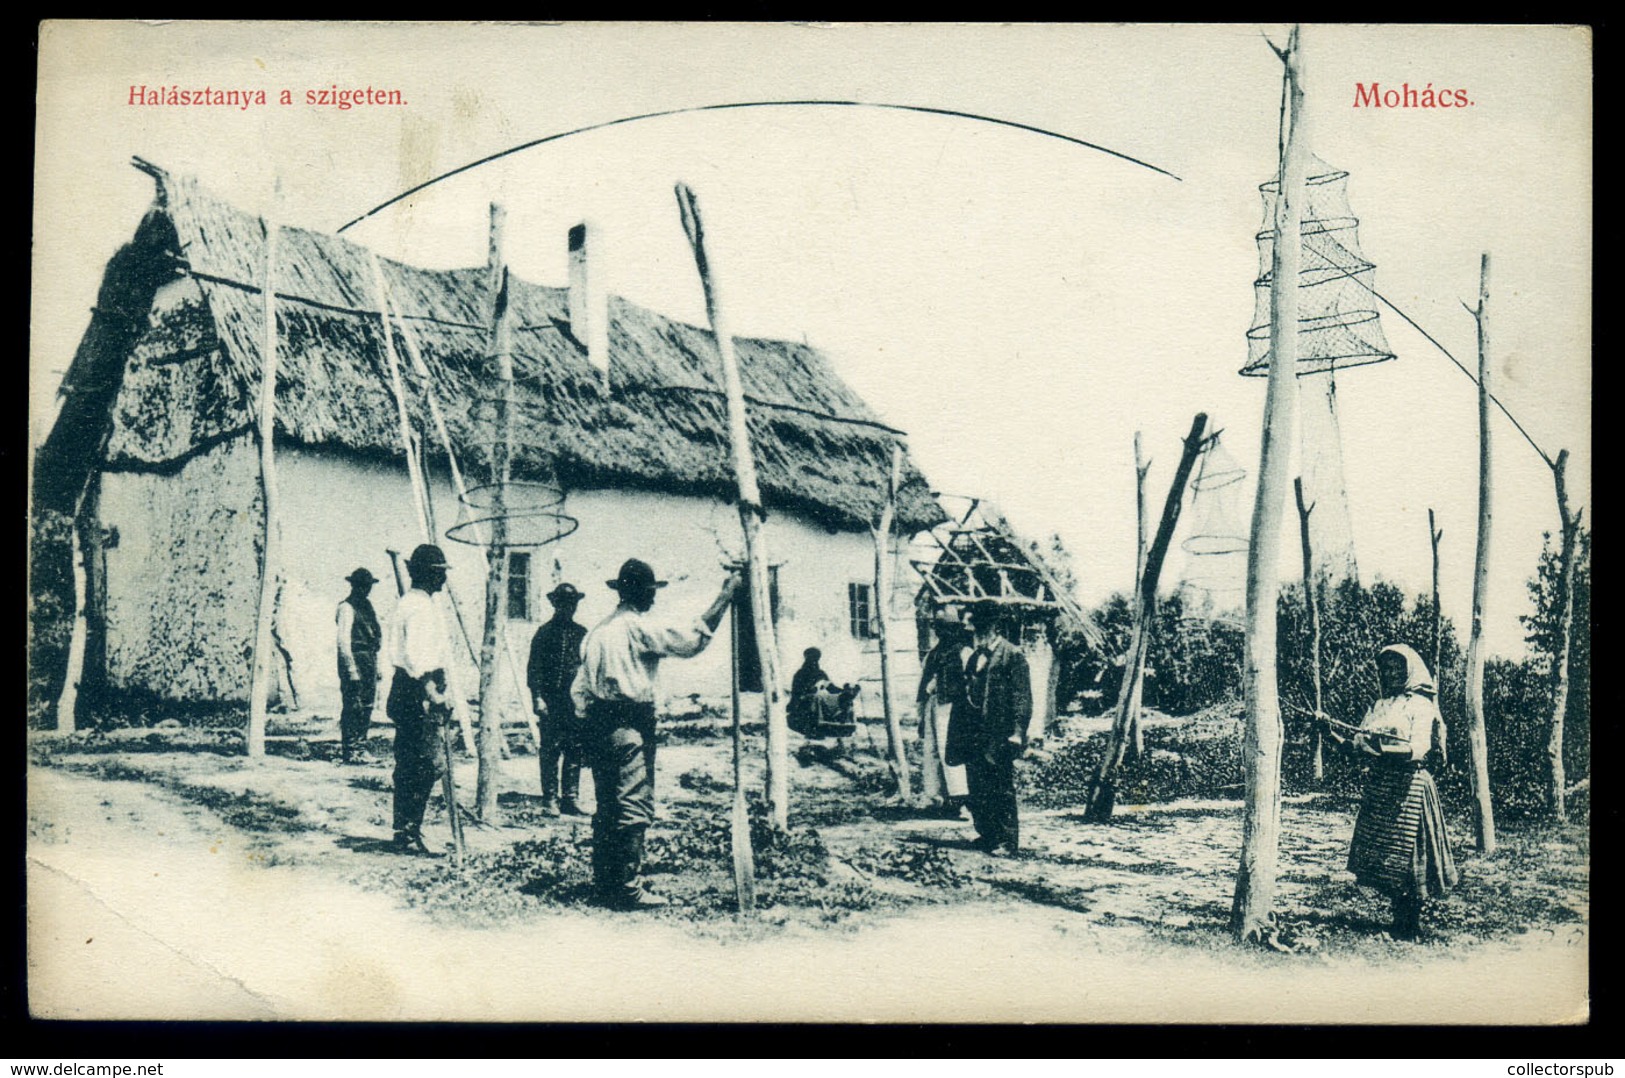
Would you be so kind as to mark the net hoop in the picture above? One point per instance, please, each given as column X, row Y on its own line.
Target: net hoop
column 558, row 525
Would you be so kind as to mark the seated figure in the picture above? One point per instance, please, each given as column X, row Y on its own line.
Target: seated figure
column 818, row 707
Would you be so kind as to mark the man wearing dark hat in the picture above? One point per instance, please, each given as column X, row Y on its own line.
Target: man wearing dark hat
column 998, row 706
column 555, row 654
column 614, row 692
column 359, row 640
column 419, row 702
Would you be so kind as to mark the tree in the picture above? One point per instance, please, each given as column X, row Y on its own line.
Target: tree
column 1548, row 636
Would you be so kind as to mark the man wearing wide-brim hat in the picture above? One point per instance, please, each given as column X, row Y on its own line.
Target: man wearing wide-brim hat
column 555, row 655
column 614, row 693
column 419, row 702
column 359, row 638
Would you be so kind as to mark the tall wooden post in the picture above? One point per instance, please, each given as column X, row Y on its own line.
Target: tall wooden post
column 1142, row 468
column 1253, row 908
column 1436, row 533
column 750, row 521
column 496, row 551
column 1312, row 602
column 882, row 536
column 744, row 858
column 259, row 686
column 1558, row 799
column 1477, row 744
column 1103, row 789
column 86, row 680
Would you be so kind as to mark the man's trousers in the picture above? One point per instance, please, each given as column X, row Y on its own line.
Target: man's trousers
column 619, row 741
column 560, row 732
column 417, row 751
column 355, row 713
column 993, row 800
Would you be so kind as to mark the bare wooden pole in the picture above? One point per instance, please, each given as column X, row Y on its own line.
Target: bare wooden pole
column 1565, row 632
column 1254, row 906
column 882, row 536
column 1142, row 468
column 1312, row 602
column 1434, row 535
column 1103, row 789
column 496, row 575
column 1477, row 744
column 750, row 520
column 259, row 686
column 86, row 678
column 744, row 857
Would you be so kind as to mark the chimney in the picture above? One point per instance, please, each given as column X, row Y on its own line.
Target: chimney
column 589, row 303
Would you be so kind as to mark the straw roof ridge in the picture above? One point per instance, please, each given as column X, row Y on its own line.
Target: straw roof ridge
column 193, row 371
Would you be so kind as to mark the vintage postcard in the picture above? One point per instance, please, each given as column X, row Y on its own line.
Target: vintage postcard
column 810, row 522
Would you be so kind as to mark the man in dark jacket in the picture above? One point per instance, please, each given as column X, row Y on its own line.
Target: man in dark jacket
column 555, row 653
column 359, row 639
column 999, row 703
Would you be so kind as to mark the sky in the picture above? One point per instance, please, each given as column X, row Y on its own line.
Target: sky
column 1020, row 305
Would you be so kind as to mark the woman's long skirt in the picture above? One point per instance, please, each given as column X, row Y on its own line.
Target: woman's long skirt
column 1400, row 846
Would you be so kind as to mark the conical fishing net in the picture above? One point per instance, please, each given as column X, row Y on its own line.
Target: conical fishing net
column 1213, row 582
column 1337, row 314
column 1338, row 328
column 1320, row 463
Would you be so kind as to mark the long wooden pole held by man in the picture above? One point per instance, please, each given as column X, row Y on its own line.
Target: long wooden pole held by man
column 750, row 519
column 1253, row 908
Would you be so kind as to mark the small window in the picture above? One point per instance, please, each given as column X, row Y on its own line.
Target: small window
column 519, row 586
column 860, row 608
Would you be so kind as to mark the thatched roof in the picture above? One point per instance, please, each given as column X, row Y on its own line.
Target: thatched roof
column 193, row 370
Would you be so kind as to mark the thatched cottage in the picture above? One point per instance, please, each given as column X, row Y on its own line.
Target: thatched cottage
column 154, row 452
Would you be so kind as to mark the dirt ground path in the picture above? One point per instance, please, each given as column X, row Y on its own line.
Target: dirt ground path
column 146, row 905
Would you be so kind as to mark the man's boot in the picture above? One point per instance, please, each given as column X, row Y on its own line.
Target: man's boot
column 631, row 894
column 568, row 805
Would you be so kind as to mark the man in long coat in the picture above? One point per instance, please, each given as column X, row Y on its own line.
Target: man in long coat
column 998, row 706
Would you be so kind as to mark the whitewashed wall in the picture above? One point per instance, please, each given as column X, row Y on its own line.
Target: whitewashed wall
column 340, row 513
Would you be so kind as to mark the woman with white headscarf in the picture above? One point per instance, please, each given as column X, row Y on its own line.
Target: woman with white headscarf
column 1400, row 846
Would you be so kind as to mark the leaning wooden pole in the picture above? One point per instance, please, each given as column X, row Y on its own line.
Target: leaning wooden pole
column 1436, row 533
column 1254, row 906
column 1312, row 603
column 1477, row 743
column 1103, row 789
column 750, row 520
column 496, row 551
column 259, row 686
column 418, row 481
column 882, row 535
column 1142, row 528
column 1558, row 798
column 420, row 487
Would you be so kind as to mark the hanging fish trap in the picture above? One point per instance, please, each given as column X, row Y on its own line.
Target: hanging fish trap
column 531, row 515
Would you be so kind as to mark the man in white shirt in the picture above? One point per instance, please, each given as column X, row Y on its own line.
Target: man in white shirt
column 614, row 693
column 418, row 703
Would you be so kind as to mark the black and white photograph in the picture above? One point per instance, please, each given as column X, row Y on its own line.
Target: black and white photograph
column 810, row 522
